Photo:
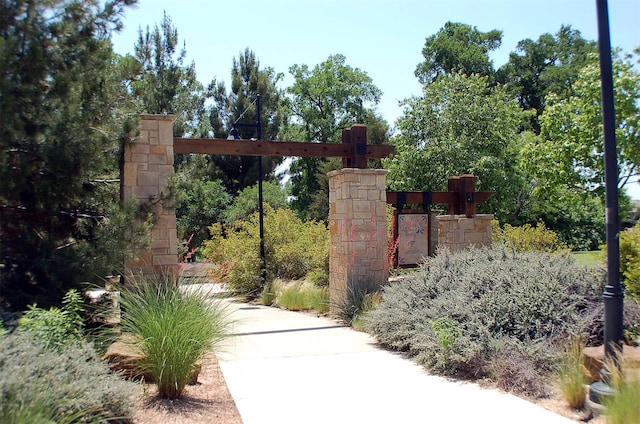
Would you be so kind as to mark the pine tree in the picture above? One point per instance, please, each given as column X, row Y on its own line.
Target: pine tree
column 62, row 119
column 248, row 80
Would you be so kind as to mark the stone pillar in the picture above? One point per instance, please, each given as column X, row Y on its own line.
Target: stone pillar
column 457, row 232
column 147, row 167
column 358, row 232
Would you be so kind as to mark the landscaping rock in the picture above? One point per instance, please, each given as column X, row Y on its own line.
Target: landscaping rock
column 594, row 357
column 123, row 358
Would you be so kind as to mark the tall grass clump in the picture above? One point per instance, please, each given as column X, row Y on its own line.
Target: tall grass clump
column 300, row 296
column 358, row 301
column 491, row 312
column 39, row 384
column 624, row 406
column 171, row 328
column 572, row 375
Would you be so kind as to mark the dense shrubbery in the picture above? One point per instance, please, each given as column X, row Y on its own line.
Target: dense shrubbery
column 41, row 385
column 630, row 260
column 526, row 237
column 489, row 313
column 56, row 328
column 293, row 249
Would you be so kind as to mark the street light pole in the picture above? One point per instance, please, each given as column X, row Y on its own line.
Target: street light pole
column 613, row 294
column 234, row 134
column 263, row 263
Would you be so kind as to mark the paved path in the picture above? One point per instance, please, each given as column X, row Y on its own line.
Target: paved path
column 286, row 367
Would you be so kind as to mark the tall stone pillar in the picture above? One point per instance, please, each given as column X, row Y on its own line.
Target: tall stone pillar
column 358, row 233
column 148, row 165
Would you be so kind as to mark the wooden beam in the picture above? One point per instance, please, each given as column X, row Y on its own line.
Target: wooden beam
column 437, row 197
column 214, row 146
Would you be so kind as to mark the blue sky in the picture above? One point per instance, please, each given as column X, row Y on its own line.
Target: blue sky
column 384, row 38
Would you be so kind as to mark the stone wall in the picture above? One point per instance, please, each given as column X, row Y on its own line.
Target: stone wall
column 148, row 165
column 457, row 232
column 358, row 233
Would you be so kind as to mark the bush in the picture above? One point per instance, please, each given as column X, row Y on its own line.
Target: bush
column 470, row 314
column 171, row 328
column 293, row 249
column 57, row 328
column 40, row 385
column 245, row 203
column 526, row 237
column 630, row 260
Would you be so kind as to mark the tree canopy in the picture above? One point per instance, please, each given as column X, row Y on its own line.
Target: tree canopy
column 455, row 48
column 322, row 102
column 460, row 125
column 570, row 151
column 550, row 64
column 63, row 115
column 165, row 84
column 239, row 106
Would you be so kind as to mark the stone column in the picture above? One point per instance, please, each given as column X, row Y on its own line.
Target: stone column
column 147, row 167
column 358, row 233
column 457, row 232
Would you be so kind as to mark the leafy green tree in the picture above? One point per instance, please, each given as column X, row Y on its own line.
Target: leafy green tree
column 460, row 125
column 570, row 150
column 245, row 203
column 166, row 85
column 550, row 64
column 455, row 48
column 248, row 80
column 63, row 115
column 322, row 102
column 200, row 202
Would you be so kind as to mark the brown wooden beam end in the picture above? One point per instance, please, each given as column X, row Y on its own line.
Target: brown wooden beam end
column 213, row 146
column 359, row 146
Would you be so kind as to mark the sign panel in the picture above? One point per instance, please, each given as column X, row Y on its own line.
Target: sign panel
column 413, row 238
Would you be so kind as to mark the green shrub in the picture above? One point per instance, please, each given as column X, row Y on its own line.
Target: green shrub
column 172, row 329
column 40, row 385
column 245, row 203
column 293, row 249
column 481, row 312
column 526, row 237
column 630, row 260
column 56, row 327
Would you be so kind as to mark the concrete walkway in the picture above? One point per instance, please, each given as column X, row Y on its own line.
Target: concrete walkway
column 287, row 367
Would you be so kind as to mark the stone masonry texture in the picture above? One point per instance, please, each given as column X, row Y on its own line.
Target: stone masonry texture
column 358, row 233
column 148, row 165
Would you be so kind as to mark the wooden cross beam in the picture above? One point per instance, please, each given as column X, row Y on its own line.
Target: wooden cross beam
column 354, row 153
column 462, row 196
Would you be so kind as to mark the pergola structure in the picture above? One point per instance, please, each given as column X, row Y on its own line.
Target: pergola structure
column 357, row 200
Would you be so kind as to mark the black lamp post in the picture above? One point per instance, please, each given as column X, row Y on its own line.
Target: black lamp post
column 613, row 294
column 233, row 134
